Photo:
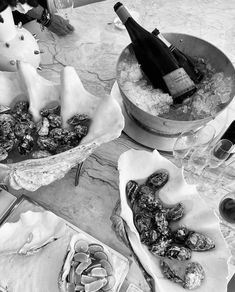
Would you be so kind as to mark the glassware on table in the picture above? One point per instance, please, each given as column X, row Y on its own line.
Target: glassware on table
column 194, row 158
column 64, row 8
column 183, row 145
column 227, row 176
column 199, row 155
column 208, row 179
column 219, row 153
column 227, row 209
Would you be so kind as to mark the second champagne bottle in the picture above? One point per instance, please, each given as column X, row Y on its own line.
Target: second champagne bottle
column 156, row 60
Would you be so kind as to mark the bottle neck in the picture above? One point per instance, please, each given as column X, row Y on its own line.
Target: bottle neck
column 123, row 14
column 7, row 27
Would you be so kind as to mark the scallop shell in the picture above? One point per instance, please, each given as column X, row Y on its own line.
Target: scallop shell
column 138, row 165
column 105, row 112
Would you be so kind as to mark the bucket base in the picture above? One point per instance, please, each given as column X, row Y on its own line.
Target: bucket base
column 154, row 140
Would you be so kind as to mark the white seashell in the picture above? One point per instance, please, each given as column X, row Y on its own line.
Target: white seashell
column 105, row 112
column 33, row 231
column 30, row 258
column 138, row 165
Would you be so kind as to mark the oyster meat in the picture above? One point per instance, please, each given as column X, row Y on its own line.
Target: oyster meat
column 189, row 276
column 194, row 275
column 158, row 179
column 199, row 242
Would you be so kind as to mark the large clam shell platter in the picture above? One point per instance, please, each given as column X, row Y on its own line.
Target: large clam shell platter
column 174, row 236
column 43, row 253
column 105, row 124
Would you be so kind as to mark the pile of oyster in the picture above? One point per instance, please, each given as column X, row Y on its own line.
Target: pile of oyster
column 153, row 220
column 171, row 230
column 42, row 139
column 87, row 268
column 35, row 122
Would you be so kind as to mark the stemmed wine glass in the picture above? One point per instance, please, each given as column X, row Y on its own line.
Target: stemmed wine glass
column 199, row 152
column 188, row 142
column 182, row 146
column 64, row 8
column 226, row 177
column 216, row 157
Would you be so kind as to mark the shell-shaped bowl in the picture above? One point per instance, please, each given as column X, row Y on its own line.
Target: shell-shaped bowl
column 107, row 123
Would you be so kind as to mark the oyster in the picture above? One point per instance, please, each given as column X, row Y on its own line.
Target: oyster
column 106, row 124
column 194, row 275
column 175, row 213
column 3, row 153
column 193, row 213
column 161, row 223
column 161, row 247
column 178, row 252
column 147, row 199
column 189, row 277
column 180, row 235
column 132, row 191
column 170, row 273
column 143, row 222
column 158, row 179
column 199, row 242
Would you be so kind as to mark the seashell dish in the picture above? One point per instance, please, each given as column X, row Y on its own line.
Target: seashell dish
column 200, row 264
column 104, row 112
column 38, row 253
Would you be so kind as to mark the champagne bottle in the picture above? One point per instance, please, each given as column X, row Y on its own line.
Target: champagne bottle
column 184, row 60
column 155, row 59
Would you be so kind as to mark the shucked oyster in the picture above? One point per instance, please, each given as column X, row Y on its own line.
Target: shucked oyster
column 194, row 240
column 199, row 242
column 189, row 277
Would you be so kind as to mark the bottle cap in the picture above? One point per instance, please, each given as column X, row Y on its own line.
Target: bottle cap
column 122, row 12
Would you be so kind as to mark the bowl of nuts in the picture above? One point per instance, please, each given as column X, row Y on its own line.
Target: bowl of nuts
column 47, row 128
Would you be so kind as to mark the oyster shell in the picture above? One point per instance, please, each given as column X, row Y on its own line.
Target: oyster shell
column 105, row 112
column 197, row 216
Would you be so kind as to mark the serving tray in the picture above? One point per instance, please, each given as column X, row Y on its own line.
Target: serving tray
column 24, row 204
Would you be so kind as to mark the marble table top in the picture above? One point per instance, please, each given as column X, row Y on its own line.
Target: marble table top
column 93, row 50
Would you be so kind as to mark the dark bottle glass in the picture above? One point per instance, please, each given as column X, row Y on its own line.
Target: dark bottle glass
column 229, row 134
column 184, row 60
column 155, row 59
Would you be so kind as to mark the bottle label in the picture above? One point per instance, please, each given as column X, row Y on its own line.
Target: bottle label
column 178, row 82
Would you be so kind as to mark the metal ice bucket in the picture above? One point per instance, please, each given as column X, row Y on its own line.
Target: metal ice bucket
column 194, row 47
